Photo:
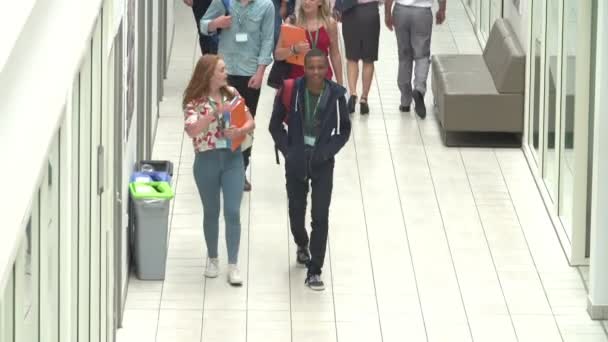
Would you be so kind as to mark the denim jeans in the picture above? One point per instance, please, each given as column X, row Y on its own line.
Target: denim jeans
column 215, row 171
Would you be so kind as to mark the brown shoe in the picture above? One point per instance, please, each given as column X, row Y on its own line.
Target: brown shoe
column 247, row 186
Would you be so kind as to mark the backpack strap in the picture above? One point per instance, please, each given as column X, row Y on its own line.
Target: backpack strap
column 215, row 38
column 286, row 96
column 226, row 6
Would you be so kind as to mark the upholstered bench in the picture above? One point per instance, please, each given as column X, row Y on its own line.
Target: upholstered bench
column 479, row 99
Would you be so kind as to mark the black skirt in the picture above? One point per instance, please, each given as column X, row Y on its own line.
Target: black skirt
column 361, row 32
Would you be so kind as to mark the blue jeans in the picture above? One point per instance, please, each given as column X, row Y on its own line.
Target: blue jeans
column 215, row 171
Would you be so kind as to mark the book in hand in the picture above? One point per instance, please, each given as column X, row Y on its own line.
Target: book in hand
column 236, row 117
column 292, row 35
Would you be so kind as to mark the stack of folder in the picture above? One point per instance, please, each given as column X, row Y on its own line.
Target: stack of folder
column 236, row 117
column 292, row 35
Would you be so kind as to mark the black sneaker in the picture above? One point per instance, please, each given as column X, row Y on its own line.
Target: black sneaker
column 352, row 101
column 302, row 256
column 363, row 106
column 419, row 101
column 314, row 282
column 404, row 109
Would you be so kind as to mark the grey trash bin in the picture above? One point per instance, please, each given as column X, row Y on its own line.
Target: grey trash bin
column 151, row 228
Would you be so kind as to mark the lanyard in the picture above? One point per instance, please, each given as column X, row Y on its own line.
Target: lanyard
column 310, row 112
column 221, row 125
column 242, row 15
column 314, row 41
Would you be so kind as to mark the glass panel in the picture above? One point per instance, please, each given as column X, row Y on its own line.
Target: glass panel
column 472, row 6
column 484, row 20
column 84, row 200
column 495, row 11
column 7, row 310
column 28, row 272
column 551, row 158
column 566, row 188
column 74, row 204
column 475, row 9
column 49, row 246
column 535, row 91
column 95, row 223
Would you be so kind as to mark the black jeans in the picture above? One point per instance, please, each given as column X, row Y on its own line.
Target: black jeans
column 251, row 97
column 207, row 44
column 321, row 180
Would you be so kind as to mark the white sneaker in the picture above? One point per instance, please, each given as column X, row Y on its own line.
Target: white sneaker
column 234, row 275
column 213, row 268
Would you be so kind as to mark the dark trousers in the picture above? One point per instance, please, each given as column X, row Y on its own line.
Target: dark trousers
column 321, row 180
column 207, row 44
column 251, row 97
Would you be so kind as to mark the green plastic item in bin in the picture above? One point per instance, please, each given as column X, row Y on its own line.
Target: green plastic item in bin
column 151, row 190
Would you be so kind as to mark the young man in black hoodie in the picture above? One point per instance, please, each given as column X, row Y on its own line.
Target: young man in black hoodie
column 318, row 126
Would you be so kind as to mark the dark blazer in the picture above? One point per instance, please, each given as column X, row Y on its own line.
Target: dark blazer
column 333, row 134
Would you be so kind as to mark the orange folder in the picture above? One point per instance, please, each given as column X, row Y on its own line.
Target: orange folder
column 292, row 35
column 238, row 118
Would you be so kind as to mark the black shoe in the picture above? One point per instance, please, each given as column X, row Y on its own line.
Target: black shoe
column 302, row 256
column 363, row 106
column 352, row 101
column 247, row 186
column 419, row 101
column 314, row 282
column 404, row 109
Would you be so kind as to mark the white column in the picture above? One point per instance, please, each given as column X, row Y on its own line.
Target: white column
column 598, row 273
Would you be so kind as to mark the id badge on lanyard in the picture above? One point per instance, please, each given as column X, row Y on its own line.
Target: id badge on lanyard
column 242, row 36
column 220, row 119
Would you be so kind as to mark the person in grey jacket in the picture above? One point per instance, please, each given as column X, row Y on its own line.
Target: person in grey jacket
column 318, row 127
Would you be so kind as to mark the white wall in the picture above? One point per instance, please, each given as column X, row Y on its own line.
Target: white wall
column 129, row 160
column 27, row 72
column 170, row 27
column 598, row 288
column 13, row 18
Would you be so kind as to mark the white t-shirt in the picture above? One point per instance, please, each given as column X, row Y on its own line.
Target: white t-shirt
column 416, row 3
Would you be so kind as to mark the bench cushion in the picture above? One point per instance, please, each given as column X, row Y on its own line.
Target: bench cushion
column 505, row 58
column 458, row 63
column 469, row 102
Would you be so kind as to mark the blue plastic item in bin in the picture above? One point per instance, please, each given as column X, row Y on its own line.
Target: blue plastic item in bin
column 153, row 176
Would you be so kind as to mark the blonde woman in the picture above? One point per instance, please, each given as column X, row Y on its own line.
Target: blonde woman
column 314, row 16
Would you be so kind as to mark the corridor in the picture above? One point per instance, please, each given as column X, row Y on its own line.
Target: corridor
column 427, row 243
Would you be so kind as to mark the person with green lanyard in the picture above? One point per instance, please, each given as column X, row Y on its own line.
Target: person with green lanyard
column 318, row 126
column 246, row 41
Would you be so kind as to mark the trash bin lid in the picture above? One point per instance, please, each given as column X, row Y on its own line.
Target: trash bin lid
column 151, row 190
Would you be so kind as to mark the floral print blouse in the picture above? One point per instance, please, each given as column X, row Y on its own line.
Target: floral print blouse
column 212, row 137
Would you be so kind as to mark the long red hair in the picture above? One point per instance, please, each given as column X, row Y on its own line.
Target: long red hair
column 200, row 83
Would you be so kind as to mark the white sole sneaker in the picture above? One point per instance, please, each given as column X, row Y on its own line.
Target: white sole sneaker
column 315, row 283
column 213, row 269
column 234, row 276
